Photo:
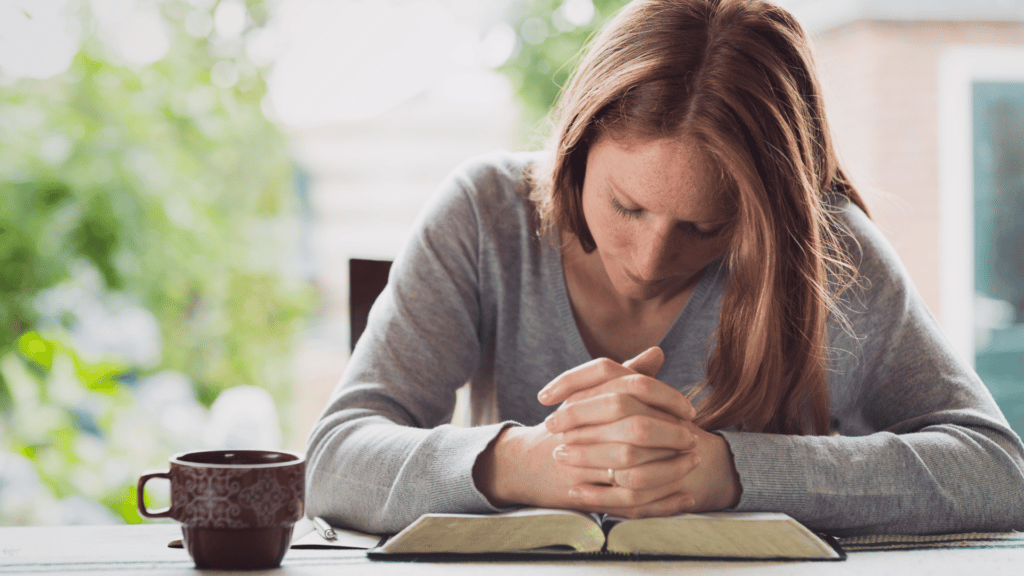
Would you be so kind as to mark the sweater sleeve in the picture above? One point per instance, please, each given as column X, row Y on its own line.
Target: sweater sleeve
column 381, row 453
column 919, row 445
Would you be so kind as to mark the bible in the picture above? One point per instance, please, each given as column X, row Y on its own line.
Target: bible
column 547, row 533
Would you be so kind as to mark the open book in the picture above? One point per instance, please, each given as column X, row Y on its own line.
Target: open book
column 544, row 532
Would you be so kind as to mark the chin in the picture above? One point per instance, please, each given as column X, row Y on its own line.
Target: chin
column 640, row 291
column 634, row 289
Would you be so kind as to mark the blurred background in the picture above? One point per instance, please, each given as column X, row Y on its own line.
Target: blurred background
column 184, row 185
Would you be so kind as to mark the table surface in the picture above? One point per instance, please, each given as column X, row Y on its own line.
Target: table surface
column 143, row 549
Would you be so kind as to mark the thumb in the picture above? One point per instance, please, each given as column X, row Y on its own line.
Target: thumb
column 647, row 362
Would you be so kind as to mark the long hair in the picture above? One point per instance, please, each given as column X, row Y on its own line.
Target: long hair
column 736, row 79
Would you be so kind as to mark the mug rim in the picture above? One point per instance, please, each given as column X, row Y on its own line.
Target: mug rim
column 178, row 459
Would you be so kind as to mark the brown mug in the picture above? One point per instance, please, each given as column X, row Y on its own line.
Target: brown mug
column 237, row 508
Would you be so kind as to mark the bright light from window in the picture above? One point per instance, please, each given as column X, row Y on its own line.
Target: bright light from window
column 353, row 61
column 498, row 45
column 37, row 39
column 229, row 19
column 142, row 37
column 578, row 12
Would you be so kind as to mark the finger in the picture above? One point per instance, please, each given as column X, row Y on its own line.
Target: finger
column 643, row 431
column 606, row 497
column 614, row 455
column 655, row 474
column 647, row 476
column 670, row 505
column 647, row 390
column 647, row 362
column 582, row 377
column 606, row 408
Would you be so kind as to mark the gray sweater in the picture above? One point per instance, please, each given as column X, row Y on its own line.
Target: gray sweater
column 477, row 296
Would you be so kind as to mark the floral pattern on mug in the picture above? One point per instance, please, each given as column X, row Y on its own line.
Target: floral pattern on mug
column 243, row 498
column 209, row 498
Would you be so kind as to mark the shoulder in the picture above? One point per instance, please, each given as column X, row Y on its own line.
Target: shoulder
column 878, row 266
column 482, row 203
column 881, row 302
column 497, row 168
column 489, row 192
column 497, row 177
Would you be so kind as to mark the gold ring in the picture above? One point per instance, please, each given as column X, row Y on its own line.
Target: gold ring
column 611, row 477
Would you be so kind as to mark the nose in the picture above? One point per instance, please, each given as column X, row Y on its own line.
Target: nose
column 656, row 251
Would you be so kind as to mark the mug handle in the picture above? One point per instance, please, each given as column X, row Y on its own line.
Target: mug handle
column 166, row 512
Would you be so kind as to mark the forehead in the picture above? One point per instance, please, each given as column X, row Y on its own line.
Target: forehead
column 669, row 176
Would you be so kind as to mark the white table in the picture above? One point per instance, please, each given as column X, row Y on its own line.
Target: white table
column 130, row 550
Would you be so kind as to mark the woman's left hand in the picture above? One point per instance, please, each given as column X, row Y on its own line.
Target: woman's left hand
column 605, row 427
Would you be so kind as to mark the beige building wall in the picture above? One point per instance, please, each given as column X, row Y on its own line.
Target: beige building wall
column 881, row 81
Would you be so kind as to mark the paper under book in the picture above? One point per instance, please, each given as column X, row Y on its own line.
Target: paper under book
column 536, row 531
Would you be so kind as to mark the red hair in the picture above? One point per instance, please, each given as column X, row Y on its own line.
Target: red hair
column 736, row 78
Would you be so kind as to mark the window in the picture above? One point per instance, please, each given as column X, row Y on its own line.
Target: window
column 998, row 150
column 982, row 179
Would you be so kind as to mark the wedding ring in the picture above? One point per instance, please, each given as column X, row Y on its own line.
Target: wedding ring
column 611, row 477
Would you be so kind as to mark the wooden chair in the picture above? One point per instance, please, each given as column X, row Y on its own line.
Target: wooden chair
column 366, row 280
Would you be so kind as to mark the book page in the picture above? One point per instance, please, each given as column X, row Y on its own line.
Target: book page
column 519, row 530
column 723, row 534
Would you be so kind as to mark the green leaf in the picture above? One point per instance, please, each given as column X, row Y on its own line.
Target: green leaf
column 37, row 349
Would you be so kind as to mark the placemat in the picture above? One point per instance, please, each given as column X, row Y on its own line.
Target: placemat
column 933, row 541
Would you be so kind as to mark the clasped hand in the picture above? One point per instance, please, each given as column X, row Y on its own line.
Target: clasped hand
column 614, row 417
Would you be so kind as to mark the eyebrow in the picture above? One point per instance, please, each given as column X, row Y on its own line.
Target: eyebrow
column 618, row 193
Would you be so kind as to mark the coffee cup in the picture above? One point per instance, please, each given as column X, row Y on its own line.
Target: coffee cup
column 237, row 508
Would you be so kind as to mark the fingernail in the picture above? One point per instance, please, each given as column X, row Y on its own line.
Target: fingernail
column 561, row 453
column 574, row 493
column 543, row 395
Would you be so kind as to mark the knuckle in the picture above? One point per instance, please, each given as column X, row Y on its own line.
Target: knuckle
column 625, row 478
column 630, row 499
column 619, row 404
column 638, row 429
column 605, row 367
column 637, row 384
column 577, row 476
column 628, row 455
column 632, row 478
column 689, row 439
column 563, row 419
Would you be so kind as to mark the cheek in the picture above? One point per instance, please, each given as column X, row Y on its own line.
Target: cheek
column 606, row 227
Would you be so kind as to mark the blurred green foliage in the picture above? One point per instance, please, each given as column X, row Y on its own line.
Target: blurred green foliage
column 167, row 181
column 69, row 418
column 548, row 46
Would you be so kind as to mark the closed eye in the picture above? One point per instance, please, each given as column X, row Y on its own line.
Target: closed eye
column 622, row 210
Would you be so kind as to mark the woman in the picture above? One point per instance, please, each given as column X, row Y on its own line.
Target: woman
column 684, row 307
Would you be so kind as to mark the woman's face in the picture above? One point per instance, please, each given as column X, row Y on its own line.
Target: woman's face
column 655, row 212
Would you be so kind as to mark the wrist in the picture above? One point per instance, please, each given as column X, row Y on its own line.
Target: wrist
column 493, row 468
column 729, row 478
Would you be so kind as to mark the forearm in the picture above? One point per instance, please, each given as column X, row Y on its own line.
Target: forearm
column 948, row 479
column 373, row 475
